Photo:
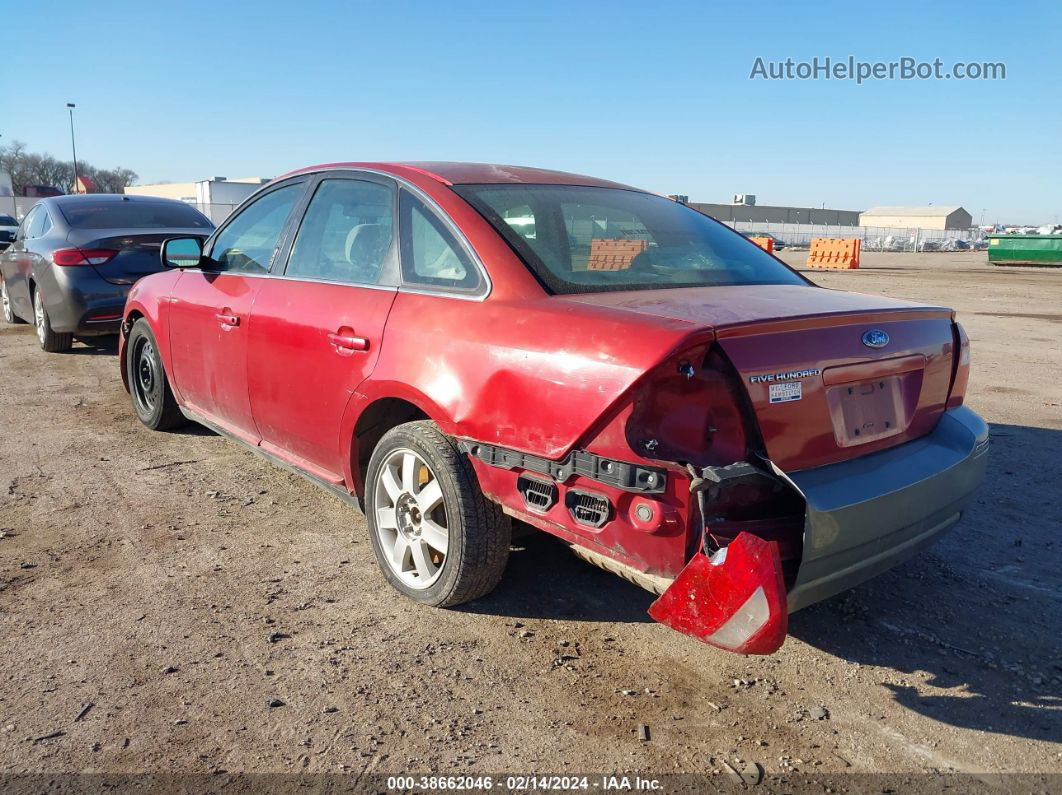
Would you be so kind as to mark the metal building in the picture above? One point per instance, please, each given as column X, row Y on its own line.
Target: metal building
column 931, row 217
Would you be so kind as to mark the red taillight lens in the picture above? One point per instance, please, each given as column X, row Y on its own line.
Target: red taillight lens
column 73, row 257
column 961, row 379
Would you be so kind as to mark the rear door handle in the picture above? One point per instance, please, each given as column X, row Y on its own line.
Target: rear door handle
column 227, row 320
column 348, row 342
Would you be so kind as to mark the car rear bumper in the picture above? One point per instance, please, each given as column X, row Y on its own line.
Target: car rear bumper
column 866, row 515
column 85, row 304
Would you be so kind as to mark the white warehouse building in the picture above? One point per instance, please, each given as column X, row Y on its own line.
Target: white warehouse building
column 931, row 217
column 215, row 197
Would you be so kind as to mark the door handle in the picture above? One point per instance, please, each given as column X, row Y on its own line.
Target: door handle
column 348, row 342
column 227, row 319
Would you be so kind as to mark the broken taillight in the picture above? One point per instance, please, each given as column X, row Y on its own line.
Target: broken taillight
column 689, row 410
column 735, row 600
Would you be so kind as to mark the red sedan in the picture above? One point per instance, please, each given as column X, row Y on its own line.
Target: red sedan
column 455, row 346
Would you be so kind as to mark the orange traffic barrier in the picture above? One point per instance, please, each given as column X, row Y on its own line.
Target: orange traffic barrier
column 766, row 243
column 835, row 254
column 613, row 255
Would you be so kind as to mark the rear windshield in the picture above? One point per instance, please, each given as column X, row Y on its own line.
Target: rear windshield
column 582, row 239
column 7, row 220
column 133, row 215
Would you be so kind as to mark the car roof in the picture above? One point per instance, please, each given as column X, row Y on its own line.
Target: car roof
column 454, row 173
column 76, row 198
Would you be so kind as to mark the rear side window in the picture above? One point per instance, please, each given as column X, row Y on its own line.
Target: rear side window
column 132, row 215
column 345, row 234
column 249, row 240
column 431, row 257
column 588, row 239
column 34, row 222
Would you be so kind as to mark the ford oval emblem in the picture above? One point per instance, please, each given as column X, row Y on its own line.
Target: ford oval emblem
column 875, row 338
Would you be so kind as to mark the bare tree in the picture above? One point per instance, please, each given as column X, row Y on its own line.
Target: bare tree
column 30, row 168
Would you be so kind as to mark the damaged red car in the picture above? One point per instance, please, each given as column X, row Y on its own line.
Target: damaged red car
column 457, row 346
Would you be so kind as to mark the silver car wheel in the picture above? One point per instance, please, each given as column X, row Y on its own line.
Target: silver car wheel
column 38, row 315
column 411, row 519
column 5, row 301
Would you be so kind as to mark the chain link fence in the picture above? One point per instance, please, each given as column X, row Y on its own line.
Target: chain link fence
column 874, row 238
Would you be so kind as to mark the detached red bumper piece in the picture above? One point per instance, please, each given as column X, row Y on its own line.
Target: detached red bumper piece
column 735, row 600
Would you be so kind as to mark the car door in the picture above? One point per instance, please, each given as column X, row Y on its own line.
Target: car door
column 210, row 307
column 315, row 330
column 18, row 262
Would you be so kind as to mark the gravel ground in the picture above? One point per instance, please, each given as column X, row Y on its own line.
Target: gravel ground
column 173, row 603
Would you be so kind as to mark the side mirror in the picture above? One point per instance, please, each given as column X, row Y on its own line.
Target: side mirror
column 182, row 252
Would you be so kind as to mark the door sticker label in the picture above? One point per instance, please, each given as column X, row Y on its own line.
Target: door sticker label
column 786, row 391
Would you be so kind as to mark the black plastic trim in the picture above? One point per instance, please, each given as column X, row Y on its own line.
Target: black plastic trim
column 628, row 477
column 539, row 494
column 587, row 508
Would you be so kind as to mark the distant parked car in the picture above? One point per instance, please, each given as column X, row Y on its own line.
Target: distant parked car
column 8, row 227
column 74, row 259
column 778, row 243
column 455, row 345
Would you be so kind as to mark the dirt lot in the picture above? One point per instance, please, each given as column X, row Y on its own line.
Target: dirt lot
column 159, row 591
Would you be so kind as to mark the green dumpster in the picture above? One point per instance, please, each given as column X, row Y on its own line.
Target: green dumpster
column 1025, row 250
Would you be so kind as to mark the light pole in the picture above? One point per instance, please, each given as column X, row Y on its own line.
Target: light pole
column 70, row 107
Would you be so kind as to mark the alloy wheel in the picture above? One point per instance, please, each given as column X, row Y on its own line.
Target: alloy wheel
column 38, row 316
column 411, row 519
column 5, row 301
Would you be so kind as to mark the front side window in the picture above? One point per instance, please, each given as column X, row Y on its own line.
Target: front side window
column 586, row 239
column 346, row 233
column 247, row 244
column 431, row 257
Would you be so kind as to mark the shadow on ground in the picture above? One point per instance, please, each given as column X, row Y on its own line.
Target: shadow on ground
column 969, row 623
column 545, row 580
column 980, row 613
column 95, row 346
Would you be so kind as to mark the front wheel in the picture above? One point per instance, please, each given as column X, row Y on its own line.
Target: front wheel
column 152, row 397
column 51, row 341
column 5, row 304
column 437, row 539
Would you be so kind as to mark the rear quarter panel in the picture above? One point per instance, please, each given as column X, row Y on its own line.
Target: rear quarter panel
column 531, row 375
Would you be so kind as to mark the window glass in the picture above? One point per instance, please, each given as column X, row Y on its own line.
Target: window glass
column 134, row 214
column 46, row 223
column 246, row 245
column 345, row 234
column 588, row 239
column 31, row 219
column 430, row 255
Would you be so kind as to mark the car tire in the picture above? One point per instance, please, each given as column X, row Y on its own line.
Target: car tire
column 406, row 509
column 51, row 341
column 5, row 304
column 149, row 388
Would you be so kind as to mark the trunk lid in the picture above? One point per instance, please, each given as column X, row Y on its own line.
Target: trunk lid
column 138, row 250
column 820, row 393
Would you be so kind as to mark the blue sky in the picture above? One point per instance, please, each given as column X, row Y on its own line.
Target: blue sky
column 656, row 94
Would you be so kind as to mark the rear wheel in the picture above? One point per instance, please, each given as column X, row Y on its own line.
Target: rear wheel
column 437, row 539
column 51, row 341
column 152, row 397
column 5, row 304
